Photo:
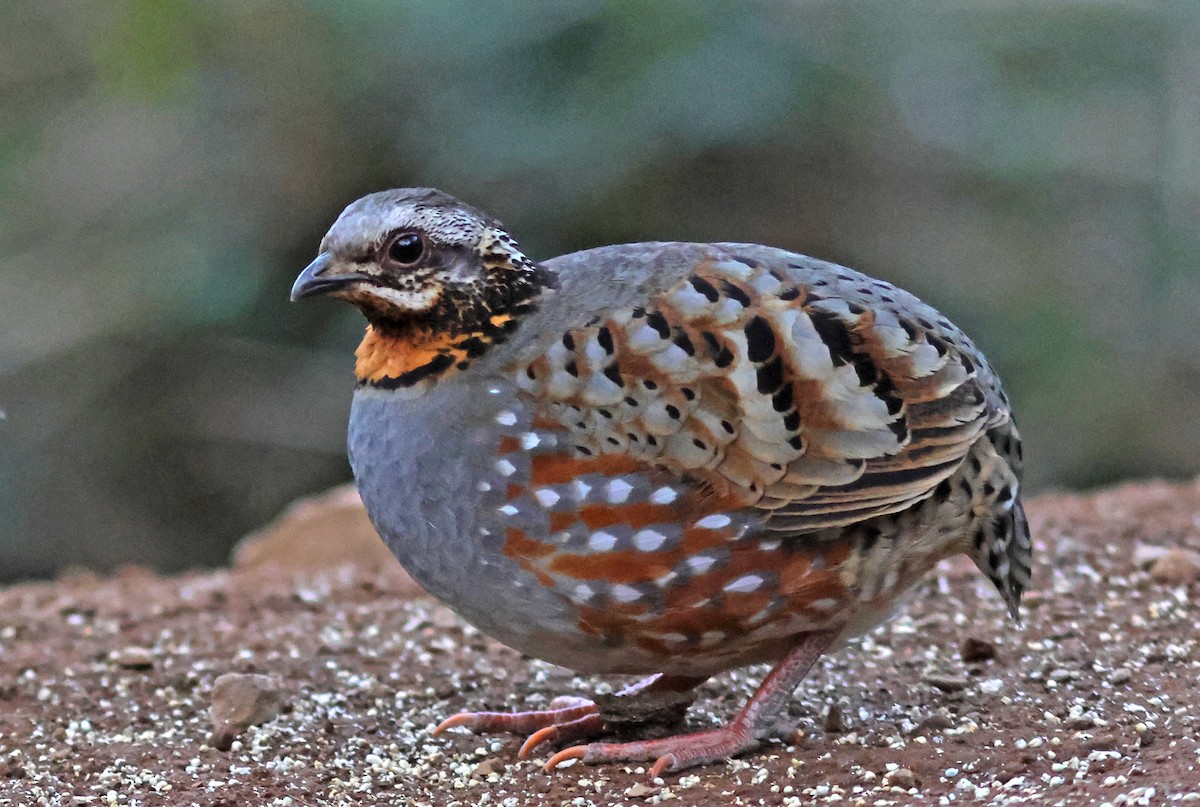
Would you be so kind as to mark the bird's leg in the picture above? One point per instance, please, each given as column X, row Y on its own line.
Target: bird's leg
column 747, row 730
column 568, row 718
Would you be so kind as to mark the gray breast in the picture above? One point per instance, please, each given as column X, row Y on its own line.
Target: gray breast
column 428, row 474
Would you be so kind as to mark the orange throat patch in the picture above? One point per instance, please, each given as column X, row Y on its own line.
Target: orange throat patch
column 394, row 361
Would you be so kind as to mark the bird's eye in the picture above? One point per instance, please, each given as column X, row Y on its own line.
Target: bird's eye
column 406, row 248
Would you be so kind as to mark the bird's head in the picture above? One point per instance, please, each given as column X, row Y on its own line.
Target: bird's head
column 438, row 281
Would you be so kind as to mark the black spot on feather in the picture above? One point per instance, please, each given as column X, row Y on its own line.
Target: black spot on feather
column 760, row 340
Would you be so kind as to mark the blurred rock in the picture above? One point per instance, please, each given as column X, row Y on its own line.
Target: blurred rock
column 904, row 778
column 1178, row 567
column 133, row 658
column 239, row 701
column 974, row 650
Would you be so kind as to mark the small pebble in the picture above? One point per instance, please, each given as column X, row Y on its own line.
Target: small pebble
column 1121, row 675
column 1177, row 567
column 640, row 791
column 905, row 778
column 133, row 658
column 946, row 683
column 239, row 701
column 835, row 722
column 975, row 650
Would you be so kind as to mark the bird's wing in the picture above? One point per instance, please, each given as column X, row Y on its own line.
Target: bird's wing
column 801, row 391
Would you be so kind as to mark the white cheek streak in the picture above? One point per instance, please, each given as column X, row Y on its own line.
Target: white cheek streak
column 410, row 300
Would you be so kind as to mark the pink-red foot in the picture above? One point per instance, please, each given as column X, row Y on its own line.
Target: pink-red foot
column 744, row 732
column 567, row 720
column 669, row 753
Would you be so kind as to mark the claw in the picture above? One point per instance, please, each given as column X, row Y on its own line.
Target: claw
column 574, row 752
column 519, row 722
column 585, row 726
column 663, row 764
column 468, row 719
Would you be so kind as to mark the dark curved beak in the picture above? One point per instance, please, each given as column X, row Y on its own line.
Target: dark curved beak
column 317, row 279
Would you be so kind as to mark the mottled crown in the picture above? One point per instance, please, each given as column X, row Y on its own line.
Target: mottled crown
column 367, row 221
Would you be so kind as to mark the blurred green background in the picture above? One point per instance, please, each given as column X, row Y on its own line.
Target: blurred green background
column 168, row 166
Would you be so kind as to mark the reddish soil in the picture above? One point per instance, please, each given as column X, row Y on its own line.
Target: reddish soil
column 105, row 687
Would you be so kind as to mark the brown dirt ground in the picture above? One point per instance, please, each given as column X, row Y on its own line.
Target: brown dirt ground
column 1096, row 700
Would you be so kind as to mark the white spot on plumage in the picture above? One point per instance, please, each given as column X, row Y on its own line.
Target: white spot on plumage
column 766, row 284
column 601, row 541
column 689, row 302
column 583, row 591
column 483, row 487
column 759, row 616
column 618, row 491
column 546, row 497
column 673, row 359
column 732, row 268
column 745, row 584
column 825, row 604
column 493, row 390
column 648, row 540
column 645, row 338
column 505, row 467
column 624, row 593
column 506, row 418
column 727, row 311
column 699, row 564
column 711, row 638
column 663, row 496
column 530, row 441
column 509, row 510
column 770, row 545
column 714, row 522
column 601, row 391
column 581, row 490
